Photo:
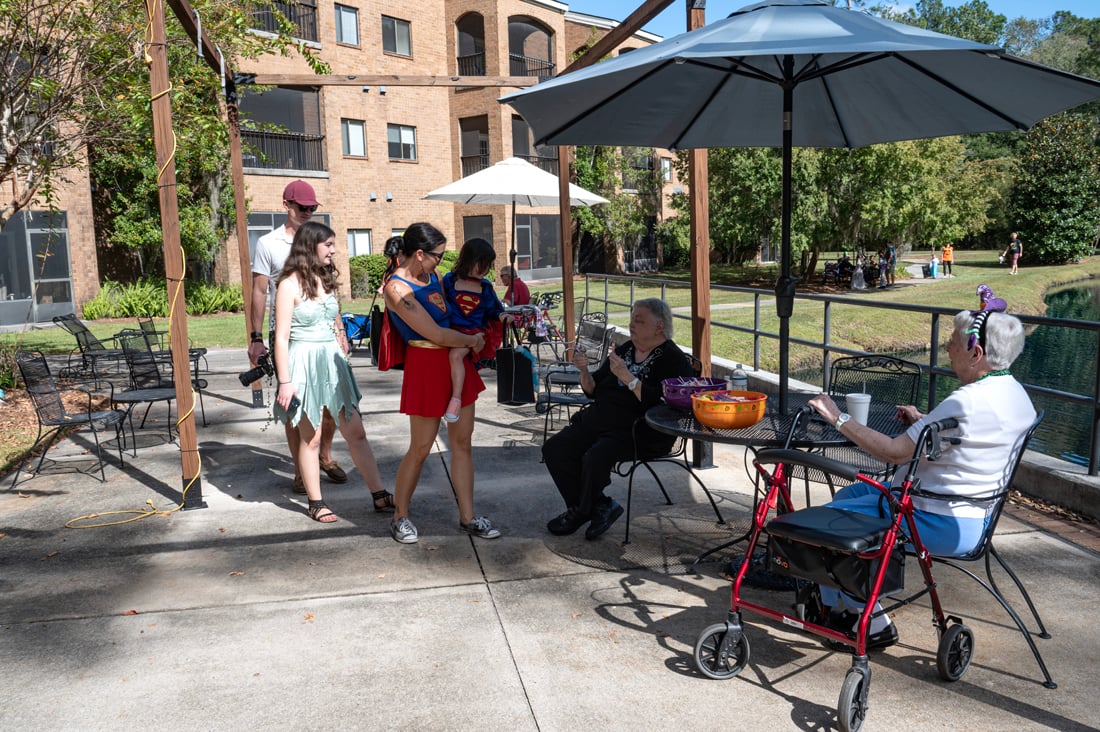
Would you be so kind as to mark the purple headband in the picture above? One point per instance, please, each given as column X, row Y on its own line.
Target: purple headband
column 989, row 304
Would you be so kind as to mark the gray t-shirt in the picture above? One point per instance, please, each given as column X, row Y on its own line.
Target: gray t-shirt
column 271, row 252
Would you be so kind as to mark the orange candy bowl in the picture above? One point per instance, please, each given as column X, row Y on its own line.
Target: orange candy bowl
column 729, row 410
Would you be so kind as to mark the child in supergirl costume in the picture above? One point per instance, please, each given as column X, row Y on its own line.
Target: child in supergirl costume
column 475, row 308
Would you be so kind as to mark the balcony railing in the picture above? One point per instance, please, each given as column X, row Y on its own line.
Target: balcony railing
column 473, row 163
column 527, row 66
column 303, row 16
column 550, row 165
column 283, row 150
column 472, row 65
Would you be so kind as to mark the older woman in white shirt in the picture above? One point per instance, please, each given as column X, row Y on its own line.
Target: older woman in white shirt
column 993, row 411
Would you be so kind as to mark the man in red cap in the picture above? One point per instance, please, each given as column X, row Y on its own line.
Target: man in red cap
column 272, row 250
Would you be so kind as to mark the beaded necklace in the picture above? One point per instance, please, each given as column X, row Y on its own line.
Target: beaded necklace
column 1002, row 372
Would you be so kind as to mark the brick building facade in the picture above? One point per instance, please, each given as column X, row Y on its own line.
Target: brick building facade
column 372, row 152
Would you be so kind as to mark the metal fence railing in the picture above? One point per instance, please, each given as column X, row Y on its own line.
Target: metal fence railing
column 938, row 322
column 283, row 150
column 303, row 16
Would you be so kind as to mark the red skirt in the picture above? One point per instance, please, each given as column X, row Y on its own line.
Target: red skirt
column 426, row 385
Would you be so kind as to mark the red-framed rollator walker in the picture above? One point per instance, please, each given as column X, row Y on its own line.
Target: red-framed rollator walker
column 860, row 555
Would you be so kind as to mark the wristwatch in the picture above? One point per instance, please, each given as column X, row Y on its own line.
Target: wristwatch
column 633, row 383
column 257, row 337
column 841, row 419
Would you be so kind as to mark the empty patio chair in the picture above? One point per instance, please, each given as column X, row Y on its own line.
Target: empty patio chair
column 53, row 417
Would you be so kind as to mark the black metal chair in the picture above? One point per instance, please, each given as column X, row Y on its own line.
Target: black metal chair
column 156, row 344
column 147, row 385
column 52, row 415
column 889, row 380
column 95, row 354
column 677, row 455
column 159, row 342
column 985, row 549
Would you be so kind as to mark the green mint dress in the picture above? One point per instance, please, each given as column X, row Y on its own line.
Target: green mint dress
column 319, row 369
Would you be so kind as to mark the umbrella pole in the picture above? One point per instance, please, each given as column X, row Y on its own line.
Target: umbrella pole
column 512, row 257
column 785, row 285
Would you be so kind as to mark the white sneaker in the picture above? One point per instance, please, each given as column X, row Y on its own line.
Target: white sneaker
column 480, row 527
column 403, row 531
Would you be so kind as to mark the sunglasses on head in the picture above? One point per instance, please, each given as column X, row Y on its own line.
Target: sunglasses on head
column 305, row 209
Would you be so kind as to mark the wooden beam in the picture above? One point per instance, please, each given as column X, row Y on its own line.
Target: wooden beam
column 185, row 14
column 645, row 12
column 700, row 231
column 164, row 142
column 384, row 80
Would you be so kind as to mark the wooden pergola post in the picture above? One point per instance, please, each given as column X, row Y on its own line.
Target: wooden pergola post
column 164, row 142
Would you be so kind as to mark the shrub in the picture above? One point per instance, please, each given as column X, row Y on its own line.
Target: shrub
column 149, row 297
column 366, row 272
column 9, row 371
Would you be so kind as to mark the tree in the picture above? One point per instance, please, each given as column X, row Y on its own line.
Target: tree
column 57, row 56
column 76, row 88
column 1056, row 201
column 622, row 221
column 123, row 172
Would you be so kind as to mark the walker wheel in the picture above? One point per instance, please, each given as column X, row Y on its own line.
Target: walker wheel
column 955, row 652
column 851, row 709
column 715, row 658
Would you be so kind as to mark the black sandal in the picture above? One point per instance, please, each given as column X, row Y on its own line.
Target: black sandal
column 315, row 509
column 387, row 501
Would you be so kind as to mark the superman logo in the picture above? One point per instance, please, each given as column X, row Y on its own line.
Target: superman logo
column 436, row 298
column 467, row 302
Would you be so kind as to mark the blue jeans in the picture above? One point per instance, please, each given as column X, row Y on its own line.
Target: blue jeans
column 942, row 535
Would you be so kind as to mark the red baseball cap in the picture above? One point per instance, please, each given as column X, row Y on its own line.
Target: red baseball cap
column 300, row 192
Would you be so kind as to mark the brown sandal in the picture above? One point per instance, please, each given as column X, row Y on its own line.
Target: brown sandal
column 315, row 509
column 386, row 499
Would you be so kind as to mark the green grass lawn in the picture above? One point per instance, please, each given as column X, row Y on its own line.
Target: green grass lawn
column 851, row 326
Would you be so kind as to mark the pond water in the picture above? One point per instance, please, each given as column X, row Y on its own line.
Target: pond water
column 1064, row 359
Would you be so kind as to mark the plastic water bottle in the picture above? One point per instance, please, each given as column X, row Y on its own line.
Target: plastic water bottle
column 740, row 380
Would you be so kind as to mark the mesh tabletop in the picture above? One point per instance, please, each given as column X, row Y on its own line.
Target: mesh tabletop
column 772, row 429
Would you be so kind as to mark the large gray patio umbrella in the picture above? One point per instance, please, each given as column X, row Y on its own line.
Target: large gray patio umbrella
column 796, row 72
column 512, row 181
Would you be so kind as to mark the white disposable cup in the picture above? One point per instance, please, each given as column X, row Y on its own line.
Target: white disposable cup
column 858, row 406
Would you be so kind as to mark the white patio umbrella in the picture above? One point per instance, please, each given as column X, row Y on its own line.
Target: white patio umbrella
column 512, row 181
column 797, row 72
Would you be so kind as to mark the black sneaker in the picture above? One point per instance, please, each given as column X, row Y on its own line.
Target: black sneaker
column 605, row 515
column 567, row 523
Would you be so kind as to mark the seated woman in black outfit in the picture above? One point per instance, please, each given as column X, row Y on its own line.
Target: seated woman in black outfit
column 581, row 457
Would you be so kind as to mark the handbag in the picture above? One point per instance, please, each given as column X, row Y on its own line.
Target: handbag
column 375, row 332
column 391, row 346
column 516, row 374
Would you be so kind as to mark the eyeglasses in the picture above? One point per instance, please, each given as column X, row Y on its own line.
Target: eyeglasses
column 305, row 209
column 438, row 255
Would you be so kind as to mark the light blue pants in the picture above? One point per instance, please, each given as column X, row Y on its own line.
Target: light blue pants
column 942, row 535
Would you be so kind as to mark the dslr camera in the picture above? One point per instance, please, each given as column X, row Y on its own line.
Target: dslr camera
column 263, row 368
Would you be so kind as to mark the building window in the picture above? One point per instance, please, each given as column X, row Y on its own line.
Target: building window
column 353, row 136
column 347, row 25
column 282, row 129
column 666, row 170
column 302, row 17
column 478, row 227
column 35, row 276
column 402, row 142
column 263, row 222
column 358, row 242
column 396, row 36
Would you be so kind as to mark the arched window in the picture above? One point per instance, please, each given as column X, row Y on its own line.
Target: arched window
column 530, row 48
column 471, row 45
